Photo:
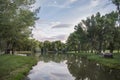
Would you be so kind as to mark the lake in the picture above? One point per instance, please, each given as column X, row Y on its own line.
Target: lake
column 70, row 67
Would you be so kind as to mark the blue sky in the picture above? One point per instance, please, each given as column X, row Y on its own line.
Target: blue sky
column 58, row 17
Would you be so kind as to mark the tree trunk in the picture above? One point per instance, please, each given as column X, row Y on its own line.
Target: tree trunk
column 12, row 51
column 78, row 48
column 111, row 47
column 100, row 46
column 118, row 50
column 7, row 50
column 13, row 45
column 92, row 46
column 92, row 50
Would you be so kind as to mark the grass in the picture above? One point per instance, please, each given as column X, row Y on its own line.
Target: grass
column 109, row 62
column 23, row 52
column 15, row 67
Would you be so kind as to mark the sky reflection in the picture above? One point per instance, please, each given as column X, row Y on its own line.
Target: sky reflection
column 50, row 71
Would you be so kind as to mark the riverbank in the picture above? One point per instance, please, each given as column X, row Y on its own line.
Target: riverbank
column 15, row 67
column 109, row 62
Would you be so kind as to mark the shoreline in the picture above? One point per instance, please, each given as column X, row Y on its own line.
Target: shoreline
column 14, row 67
column 108, row 62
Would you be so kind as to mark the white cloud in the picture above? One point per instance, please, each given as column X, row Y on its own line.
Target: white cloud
column 55, row 2
column 55, row 23
column 43, row 31
column 42, row 36
column 46, row 22
column 84, row 11
column 72, row 1
column 62, row 26
column 61, row 37
column 94, row 3
column 58, row 4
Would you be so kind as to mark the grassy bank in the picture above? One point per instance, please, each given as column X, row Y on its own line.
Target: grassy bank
column 109, row 62
column 15, row 67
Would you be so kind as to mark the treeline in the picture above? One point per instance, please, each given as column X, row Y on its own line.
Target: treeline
column 54, row 46
column 96, row 34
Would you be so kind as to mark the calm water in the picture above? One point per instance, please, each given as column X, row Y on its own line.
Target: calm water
column 70, row 67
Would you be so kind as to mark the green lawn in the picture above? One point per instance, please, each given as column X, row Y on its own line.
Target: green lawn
column 15, row 67
column 110, row 62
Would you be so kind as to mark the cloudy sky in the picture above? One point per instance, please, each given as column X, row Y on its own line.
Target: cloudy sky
column 58, row 17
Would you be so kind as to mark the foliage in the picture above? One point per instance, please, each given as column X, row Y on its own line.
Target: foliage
column 52, row 46
column 97, row 33
column 15, row 20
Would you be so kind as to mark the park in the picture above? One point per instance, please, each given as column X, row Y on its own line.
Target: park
column 59, row 40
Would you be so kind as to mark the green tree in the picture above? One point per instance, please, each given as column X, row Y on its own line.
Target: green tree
column 98, row 33
column 72, row 42
column 15, row 20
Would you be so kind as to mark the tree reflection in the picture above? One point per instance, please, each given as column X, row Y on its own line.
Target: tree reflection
column 83, row 69
column 53, row 57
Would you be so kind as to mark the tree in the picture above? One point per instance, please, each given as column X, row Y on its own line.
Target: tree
column 81, row 33
column 72, row 42
column 117, row 3
column 98, row 33
column 15, row 20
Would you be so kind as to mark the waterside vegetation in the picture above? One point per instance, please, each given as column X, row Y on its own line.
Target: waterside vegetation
column 15, row 67
column 108, row 62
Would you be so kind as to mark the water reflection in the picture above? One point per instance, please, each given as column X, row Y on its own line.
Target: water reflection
column 51, row 68
column 70, row 67
column 83, row 69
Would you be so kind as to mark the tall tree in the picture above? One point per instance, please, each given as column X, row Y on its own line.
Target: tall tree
column 15, row 20
column 72, row 42
column 100, row 33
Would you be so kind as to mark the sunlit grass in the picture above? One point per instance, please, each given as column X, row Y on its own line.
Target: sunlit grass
column 110, row 62
column 15, row 67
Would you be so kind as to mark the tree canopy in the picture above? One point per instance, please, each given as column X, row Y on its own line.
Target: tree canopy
column 100, row 33
column 15, row 20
